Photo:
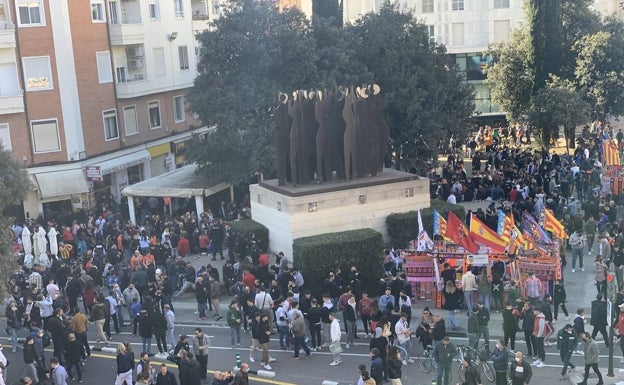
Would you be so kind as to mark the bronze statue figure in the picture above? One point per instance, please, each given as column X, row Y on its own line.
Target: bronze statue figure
column 283, row 124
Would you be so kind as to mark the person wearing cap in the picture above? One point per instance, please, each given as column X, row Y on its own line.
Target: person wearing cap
column 443, row 354
column 567, row 339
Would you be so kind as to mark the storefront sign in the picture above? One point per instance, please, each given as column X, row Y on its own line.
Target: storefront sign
column 419, row 271
column 93, row 173
column 477, row 259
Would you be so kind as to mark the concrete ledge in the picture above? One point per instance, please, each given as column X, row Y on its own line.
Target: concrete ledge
column 329, row 382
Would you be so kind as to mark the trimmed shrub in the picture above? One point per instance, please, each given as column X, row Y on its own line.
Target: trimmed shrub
column 316, row 256
column 403, row 227
column 244, row 228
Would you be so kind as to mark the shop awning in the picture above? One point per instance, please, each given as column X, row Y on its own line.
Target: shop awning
column 180, row 183
column 61, row 183
column 123, row 162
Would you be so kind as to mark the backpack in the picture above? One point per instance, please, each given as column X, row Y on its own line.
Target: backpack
column 46, row 339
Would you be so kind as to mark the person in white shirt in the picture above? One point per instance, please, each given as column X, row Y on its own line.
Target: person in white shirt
column 264, row 303
column 404, row 333
column 170, row 318
column 335, row 334
column 452, row 199
column 52, row 288
column 468, row 284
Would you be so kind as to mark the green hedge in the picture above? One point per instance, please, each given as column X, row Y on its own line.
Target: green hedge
column 403, row 227
column 245, row 227
column 317, row 255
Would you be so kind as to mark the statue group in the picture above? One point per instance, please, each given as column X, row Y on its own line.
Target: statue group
column 318, row 133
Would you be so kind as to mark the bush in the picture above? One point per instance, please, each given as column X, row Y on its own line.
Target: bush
column 403, row 227
column 244, row 228
column 317, row 255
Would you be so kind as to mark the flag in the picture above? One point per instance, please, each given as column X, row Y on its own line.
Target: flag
column 610, row 154
column 516, row 236
column 553, row 225
column 457, row 231
column 505, row 223
column 530, row 225
column 486, row 236
column 439, row 224
column 424, row 242
column 530, row 243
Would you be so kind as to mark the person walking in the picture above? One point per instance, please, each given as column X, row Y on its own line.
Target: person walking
column 528, row 318
column 98, row 316
column 473, row 329
column 577, row 244
column 484, row 319
column 567, row 339
column 334, row 346
column 539, row 334
column 599, row 318
column 234, row 320
column 159, row 329
column 520, row 371
column 559, row 299
column 404, row 333
column 500, row 358
column 170, row 318
column 201, row 345
column 79, row 325
column 377, row 366
column 263, row 331
column 58, row 374
column 74, row 353
column 145, row 331
column 349, row 313
column 485, row 289
column 298, row 330
column 30, row 359
column 125, row 364
column 591, row 358
column 13, row 323
column 600, row 274
column 443, row 354
column 471, row 373
column 394, row 366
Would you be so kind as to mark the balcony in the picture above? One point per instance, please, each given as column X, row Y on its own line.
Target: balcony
column 124, row 34
column 7, row 36
column 11, row 104
column 126, row 26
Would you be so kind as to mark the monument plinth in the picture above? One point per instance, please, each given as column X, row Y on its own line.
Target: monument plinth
column 291, row 212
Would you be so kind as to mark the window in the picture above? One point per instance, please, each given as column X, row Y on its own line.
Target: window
column 153, row 110
column 45, row 136
column 2, row 14
column 113, row 13
column 30, row 12
column 427, row 6
column 458, row 34
column 5, row 136
column 121, row 74
column 130, row 120
column 179, row 8
column 159, row 61
column 458, row 5
column 431, row 32
column 154, row 9
column 105, row 75
column 183, row 55
column 37, row 73
column 501, row 30
column 97, row 11
column 110, row 124
column 178, row 109
column 501, row 3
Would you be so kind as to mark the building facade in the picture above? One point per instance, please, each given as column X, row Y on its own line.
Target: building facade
column 93, row 95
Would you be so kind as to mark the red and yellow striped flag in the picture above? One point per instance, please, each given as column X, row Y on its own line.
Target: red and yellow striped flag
column 610, row 154
column 553, row 225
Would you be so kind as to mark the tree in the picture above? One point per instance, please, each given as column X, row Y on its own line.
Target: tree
column 253, row 52
column 510, row 77
column 600, row 69
column 328, row 9
column 559, row 104
column 546, row 32
column 14, row 185
column 426, row 95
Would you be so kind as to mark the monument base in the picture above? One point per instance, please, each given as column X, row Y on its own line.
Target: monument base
column 291, row 212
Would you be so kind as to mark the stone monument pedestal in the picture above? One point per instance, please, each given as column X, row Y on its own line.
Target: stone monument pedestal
column 291, row 212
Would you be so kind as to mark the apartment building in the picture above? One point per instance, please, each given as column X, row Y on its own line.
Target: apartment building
column 92, row 95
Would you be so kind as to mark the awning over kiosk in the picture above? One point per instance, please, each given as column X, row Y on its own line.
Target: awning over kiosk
column 180, row 183
column 61, row 183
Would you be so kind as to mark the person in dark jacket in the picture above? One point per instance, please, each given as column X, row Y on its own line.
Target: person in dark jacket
column 159, row 328
column 125, row 364
column 579, row 325
column 500, row 358
column 56, row 327
column 377, row 366
column 380, row 343
column 74, row 352
column 242, row 377
column 567, row 340
column 30, row 359
column 394, row 365
column 471, row 373
column 559, row 298
column 314, row 318
column 473, row 329
column 520, row 371
column 452, row 302
column 527, row 317
column 165, row 377
column 599, row 318
column 145, row 331
column 510, row 324
column 443, row 354
column 439, row 329
column 189, row 369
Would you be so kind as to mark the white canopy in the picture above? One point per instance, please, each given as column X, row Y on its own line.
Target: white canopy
column 180, row 183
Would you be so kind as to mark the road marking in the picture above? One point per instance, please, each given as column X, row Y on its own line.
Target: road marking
column 254, row 378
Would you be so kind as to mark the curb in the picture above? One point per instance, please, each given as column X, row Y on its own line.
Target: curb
column 259, row 373
column 329, row 382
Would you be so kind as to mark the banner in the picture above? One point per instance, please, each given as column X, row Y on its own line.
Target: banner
column 419, row 271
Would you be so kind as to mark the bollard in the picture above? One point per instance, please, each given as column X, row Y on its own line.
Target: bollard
column 238, row 359
column 434, row 381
